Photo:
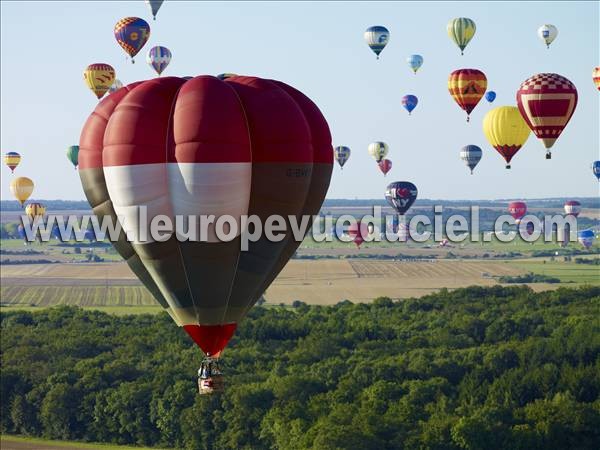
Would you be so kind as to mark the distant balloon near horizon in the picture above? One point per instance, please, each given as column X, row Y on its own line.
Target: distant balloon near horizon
column 158, row 58
column 471, row 155
column 410, row 102
column 596, row 169
column 506, row 131
column 490, row 96
column 117, row 84
column 12, row 160
column 572, row 208
column 401, row 195
column 586, row 238
column 547, row 33
column 99, row 77
column 377, row 38
column 596, row 77
column 358, row 232
column 547, row 102
column 467, row 87
column 415, row 62
column 461, row 30
column 385, row 165
column 517, row 210
column 154, row 6
column 378, row 150
column 341, row 154
column 131, row 34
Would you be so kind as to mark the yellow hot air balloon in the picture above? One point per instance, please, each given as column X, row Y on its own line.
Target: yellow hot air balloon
column 378, row 150
column 99, row 78
column 506, row 131
column 461, row 30
column 12, row 160
column 34, row 210
column 21, row 188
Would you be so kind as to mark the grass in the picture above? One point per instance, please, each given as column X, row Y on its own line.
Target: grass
column 31, row 442
column 567, row 272
column 106, row 296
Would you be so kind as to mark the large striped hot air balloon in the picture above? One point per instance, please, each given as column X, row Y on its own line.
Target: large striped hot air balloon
column 204, row 146
column 506, row 131
column 99, row 77
column 12, row 160
column 461, row 30
column 467, row 86
column 547, row 101
column 377, row 38
column 131, row 34
column 341, row 155
column 572, row 208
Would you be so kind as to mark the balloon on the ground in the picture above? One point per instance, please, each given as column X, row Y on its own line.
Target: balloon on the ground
column 596, row 77
column 461, row 30
column 115, row 86
column 547, row 102
column 547, row 33
column 385, row 165
column 358, row 232
column 131, row 34
column 586, row 238
column 401, row 195
column 230, row 148
column 378, row 150
column 73, row 154
column 154, row 6
column 471, row 155
column 415, row 62
column 377, row 38
column 158, row 58
column 99, row 77
column 490, row 96
column 506, row 131
column 517, row 210
column 12, row 160
column 341, row 154
column 21, row 189
column 572, row 208
column 596, row 169
column 467, row 87
column 409, row 102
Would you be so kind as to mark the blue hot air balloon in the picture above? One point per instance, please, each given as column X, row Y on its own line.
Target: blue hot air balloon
column 415, row 62
column 586, row 238
column 409, row 102
column 377, row 38
column 596, row 169
column 401, row 195
column 490, row 96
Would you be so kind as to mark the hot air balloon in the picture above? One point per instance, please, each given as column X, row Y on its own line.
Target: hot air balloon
column 471, row 155
column 517, row 210
column 158, row 58
column 547, row 102
column 586, row 238
column 358, row 232
column 341, row 154
column 401, row 195
column 572, row 208
column 223, row 76
column 461, row 30
column 73, row 154
column 409, row 102
column 21, row 188
column 115, row 86
column 385, row 165
column 131, row 34
column 378, row 150
column 377, row 38
column 506, row 131
column 596, row 169
column 241, row 146
column 415, row 62
column 99, row 78
column 154, row 6
column 467, row 86
column 596, row 77
column 490, row 96
column 12, row 160
column 34, row 210
column 547, row 33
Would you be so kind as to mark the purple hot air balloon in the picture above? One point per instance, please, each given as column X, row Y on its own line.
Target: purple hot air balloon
column 409, row 102
column 132, row 33
column 159, row 58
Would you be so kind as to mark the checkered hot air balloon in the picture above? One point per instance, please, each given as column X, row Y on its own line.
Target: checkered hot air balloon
column 159, row 58
column 131, row 34
column 547, row 101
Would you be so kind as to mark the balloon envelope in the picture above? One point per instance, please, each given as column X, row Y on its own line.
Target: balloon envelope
column 12, row 160
column 596, row 169
column 342, row 154
column 461, row 30
column 547, row 33
column 378, row 150
column 154, row 6
column 99, row 78
column 415, row 62
column 159, row 58
column 467, row 86
column 471, row 155
column 490, row 96
column 21, row 188
column 596, row 77
column 401, row 195
column 73, row 154
column 377, row 38
column 131, row 34
column 115, row 86
column 358, row 232
column 586, row 238
column 517, row 210
column 385, row 165
column 506, row 131
column 572, row 208
column 409, row 102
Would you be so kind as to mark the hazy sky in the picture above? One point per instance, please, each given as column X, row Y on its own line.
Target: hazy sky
column 318, row 48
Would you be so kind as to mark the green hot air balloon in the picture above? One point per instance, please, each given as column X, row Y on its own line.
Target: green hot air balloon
column 73, row 154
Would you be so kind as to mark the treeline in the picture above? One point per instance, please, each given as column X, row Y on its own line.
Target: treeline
column 476, row 368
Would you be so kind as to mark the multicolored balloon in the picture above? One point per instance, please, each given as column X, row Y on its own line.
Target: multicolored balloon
column 132, row 33
column 12, row 160
column 99, row 77
column 490, row 96
column 21, row 188
column 506, row 131
column 572, row 208
column 154, row 6
column 471, row 155
column 159, row 58
column 467, row 86
column 385, row 165
column 409, row 102
column 547, row 33
column 415, row 62
column 586, row 238
column 115, row 86
column 596, row 77
column 517, row 210
column 377, row 38
column 34, row 210
column 341, row 155
column 378, row 150
column 461, row 30
column 73, row 154
column 547, row 101
column 596, row 169
column 401, row 195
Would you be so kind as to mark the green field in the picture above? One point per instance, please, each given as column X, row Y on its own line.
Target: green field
column 27, row 443
column 567, row 272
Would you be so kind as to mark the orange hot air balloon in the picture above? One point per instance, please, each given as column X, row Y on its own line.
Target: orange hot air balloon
column 547, row 101
column 596, row 77
column 467, row 87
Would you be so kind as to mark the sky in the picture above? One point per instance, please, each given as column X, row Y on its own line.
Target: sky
column 318, row 47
